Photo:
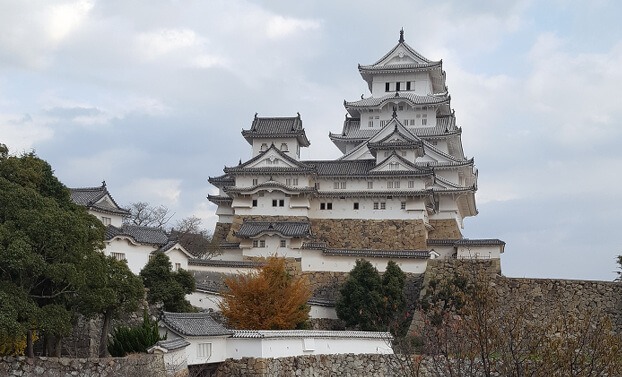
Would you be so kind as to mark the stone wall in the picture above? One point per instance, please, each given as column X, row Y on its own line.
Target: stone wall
column 541, row 297
column 131, row 366
column 444, row 229
column 370, row 234
column 312, row 365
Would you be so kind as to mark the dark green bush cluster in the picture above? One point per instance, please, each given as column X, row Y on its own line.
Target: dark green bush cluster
column 135, row 339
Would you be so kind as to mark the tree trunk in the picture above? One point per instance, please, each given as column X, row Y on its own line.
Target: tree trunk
column 57, row 346
column 103, row 340
column 30, row 352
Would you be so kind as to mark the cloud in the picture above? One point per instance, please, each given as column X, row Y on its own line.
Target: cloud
column 66, row 17
column 23, row 132
column 158, row 191
column 280, row 27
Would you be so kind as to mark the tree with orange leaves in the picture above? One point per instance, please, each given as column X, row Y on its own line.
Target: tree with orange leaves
column 268, row 299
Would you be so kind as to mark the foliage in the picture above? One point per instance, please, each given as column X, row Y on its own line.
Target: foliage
column 361, row 303
column 44, row 237
column 110, row 290
column 14, row 345
column 369, row 302
column 167, row 287
column 270, row 299
column 137, row 339
column 395, row 315
column 196, row 240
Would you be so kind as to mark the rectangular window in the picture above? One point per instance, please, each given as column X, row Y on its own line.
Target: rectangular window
column 254, row 202
column 370, row 185
column 375, row 205
column 386, row 153
column 383, row 205
column 424, row 122
column 411, row 184
column 356, row 206
column 106, row 220
column 204, row 350
column 118, row 256
column 177, row 266
column 412, row 122
column 288, row 181
column 342, row 185
column 383, row 123
column 329, row 205
column 322, row 206
column 262, row 243
column 400, row 108
column 255, row 243
column 387, row 87
column 403, row 205
column 397, row 86
column 390, row 184
column 295, row 181
column 370, row 123
column 275, row 202
column 407, row 85
column 396, row 184
column 335, row 185
column 281, row 202
column 254, row 181
column 282, row 243
column 403, row 153
column 317, row 185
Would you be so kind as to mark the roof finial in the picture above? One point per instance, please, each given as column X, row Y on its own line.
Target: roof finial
column 402, row 35
column 103, row 183
column 394, row 112
column 256, row 115
column 298, row 114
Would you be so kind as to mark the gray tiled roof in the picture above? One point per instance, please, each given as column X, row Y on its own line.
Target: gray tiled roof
column 285, row 228
column 88, row 197
column 413, row 98
column 194, row 324
column 224, row 263
column 223, row 180
column 352, row 168
column 219, row 199
column 441, row 242
column 369, row 253
column 317, row 301
column 277, row 127
column 310, row 334
column 479, row 242
column 172, row 344
column 466, row 242
column 297, row 166
column 141, row 234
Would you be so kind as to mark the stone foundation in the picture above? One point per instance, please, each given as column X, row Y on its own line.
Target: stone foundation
column 370, row 234
column 444, row 229
column 132, row 366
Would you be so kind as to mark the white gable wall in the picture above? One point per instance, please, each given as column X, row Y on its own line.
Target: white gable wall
column 136, row 255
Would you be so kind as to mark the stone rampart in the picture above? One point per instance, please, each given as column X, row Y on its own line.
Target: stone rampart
column 542, row 297
column 311, row 365
column 131, row 366
column 370, row 234
column 444, row 229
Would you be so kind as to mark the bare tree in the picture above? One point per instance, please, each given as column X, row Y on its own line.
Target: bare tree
column 144, row 214
column 466, row 327
column 194, row 238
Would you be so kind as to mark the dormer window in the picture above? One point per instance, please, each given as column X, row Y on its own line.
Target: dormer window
column 284, row 147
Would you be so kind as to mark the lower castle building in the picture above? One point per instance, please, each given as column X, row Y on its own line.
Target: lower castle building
column 400, row 191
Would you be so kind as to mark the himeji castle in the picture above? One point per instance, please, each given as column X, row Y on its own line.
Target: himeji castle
column 400, row 191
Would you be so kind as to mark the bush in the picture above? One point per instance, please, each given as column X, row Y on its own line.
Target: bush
column 136, row 339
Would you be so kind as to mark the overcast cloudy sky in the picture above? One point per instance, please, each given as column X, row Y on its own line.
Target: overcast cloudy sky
column 151, row 96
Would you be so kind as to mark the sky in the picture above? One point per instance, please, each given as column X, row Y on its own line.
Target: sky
column 151, row 97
